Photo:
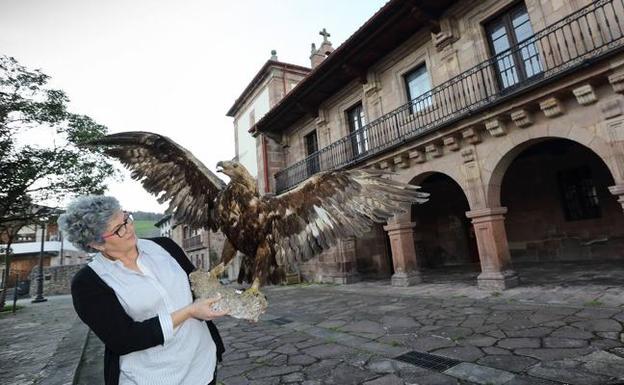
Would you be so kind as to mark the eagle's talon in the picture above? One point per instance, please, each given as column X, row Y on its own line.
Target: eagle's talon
column 253, row 292
column 217, row 271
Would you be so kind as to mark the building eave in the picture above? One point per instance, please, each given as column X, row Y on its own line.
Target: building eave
column 257, row 80
column 389, row 27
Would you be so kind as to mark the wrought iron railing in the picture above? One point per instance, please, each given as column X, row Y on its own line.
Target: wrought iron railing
column 193, row 242
column 583, row 36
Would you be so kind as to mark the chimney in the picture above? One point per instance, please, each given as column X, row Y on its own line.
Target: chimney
column 318, row 55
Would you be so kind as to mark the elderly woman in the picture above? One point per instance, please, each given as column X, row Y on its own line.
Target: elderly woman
column 135, row 296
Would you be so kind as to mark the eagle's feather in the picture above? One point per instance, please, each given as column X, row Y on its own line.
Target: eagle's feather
column 273, row 232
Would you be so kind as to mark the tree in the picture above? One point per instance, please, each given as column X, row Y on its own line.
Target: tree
column 32, row 174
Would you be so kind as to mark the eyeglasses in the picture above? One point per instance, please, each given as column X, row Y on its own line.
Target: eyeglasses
column 122, row 229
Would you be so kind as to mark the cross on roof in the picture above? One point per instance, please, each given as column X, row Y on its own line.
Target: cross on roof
column 325, row 34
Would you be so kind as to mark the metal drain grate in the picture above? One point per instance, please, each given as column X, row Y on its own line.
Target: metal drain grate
column 428, row 361
column 281, row 321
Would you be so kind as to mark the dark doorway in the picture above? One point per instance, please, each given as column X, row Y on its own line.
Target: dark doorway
column 559, row 206
column 444, row 235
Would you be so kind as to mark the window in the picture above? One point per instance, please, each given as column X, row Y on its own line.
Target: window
column 511, row 40
column 578, row 194
column 417, row 84
column 311, row 147
column 359, row 133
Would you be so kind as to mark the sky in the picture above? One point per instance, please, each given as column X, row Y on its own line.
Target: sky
column 173, row 67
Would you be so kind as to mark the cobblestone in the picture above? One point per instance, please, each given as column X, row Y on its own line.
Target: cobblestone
column 30, row 338
column 352, row 334
column 497, row 342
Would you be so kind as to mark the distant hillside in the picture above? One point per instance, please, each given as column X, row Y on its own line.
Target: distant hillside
column 145, row 228
column 144, row 216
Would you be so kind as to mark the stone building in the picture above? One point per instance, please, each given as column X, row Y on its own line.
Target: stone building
column 273, row 81
column 203, row 247
column 26, row 250
column 165, row 226
column 510, row 113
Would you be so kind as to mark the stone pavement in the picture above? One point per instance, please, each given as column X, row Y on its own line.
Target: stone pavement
column 91, row 369
column 562, row 326
column 41, row 343
column 318, row 334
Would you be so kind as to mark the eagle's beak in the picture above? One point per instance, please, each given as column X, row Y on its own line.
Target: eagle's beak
column 219, row 166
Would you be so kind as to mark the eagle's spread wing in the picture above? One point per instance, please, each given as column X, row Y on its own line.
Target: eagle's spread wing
column 334, row 205
column 169, row 170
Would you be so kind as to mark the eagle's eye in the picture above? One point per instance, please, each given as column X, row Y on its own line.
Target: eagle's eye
column 235, row 165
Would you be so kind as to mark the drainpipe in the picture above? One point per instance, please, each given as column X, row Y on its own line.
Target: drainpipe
column 266, row 164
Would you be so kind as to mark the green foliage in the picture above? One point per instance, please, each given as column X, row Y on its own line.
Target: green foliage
column 145, row 228
column 31, row 173
column 9, row 308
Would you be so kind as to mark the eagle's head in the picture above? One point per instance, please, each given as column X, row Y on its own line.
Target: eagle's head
column 236, row 171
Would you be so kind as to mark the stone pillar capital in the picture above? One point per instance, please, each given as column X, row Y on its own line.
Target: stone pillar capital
column 487, row 214
column 618, row 191
column 397, row 227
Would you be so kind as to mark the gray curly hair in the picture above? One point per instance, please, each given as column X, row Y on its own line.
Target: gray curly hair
column 86, row 219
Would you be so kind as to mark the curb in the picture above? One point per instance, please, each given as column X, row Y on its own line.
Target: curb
column 63, row 366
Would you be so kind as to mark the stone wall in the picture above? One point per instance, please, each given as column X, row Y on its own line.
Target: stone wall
column 56, row 279
column 505, row 199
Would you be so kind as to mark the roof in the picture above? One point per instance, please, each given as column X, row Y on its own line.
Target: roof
column 35, row 247
column 253, row 84
column 162, row 220
column 389, row 27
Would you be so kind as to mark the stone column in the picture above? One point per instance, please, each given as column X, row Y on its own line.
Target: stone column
column 496, row 271
column 618, row 191
column 346, row 264
column 406, row 272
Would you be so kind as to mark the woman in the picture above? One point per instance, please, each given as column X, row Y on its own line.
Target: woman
column 135, row 296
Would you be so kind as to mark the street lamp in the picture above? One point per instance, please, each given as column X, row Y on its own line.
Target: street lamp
column 39, row 297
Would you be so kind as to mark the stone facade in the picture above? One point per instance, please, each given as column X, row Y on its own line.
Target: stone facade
column 259, row 153
column 56, row 279
column 199, row 245
column 506, row 182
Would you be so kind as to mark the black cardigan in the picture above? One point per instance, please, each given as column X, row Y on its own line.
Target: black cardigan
column 98, row 307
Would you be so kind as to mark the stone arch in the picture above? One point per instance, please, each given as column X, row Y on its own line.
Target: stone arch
column 558, row 207
column 509, row 150
column 416, row 175
column 444, row 235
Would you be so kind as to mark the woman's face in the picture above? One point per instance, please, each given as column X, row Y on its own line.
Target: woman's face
column 119, row 234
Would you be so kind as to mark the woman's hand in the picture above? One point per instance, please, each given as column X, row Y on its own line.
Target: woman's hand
column 202, row 309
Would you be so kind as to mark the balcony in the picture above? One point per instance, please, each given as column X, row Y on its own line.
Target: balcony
column 590, row 34
column 194, row 242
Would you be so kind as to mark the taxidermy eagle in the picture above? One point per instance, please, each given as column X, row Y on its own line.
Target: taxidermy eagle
column 273, row 232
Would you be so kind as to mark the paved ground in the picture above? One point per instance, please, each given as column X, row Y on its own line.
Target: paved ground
column 353, row 334
column 36, row 339
column 91, row 370
column 563, row 326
